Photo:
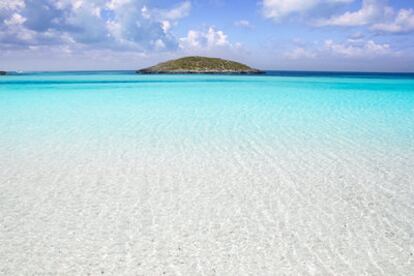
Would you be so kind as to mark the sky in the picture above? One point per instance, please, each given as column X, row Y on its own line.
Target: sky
column 322, row 35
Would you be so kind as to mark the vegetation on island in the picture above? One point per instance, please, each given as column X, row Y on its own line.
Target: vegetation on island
column 2, row 73
column 200, row 65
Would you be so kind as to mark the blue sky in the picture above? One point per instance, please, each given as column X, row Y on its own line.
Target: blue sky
column 356, row 35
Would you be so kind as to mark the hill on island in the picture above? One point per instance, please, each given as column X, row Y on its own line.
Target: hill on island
column 2, row 73
column 200, row 65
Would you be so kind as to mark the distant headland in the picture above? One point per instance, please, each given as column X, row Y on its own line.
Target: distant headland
column 3, row 73
column 200, row 65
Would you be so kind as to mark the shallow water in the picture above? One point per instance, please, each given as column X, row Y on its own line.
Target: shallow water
column 117, row 173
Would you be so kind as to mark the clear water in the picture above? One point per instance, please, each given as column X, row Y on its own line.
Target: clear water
column 287, row 173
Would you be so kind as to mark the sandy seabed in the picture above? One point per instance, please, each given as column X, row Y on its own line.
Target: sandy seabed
column 208, row 213
column 197, row 189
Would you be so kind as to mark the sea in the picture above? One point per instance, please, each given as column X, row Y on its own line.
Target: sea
column 286, row 173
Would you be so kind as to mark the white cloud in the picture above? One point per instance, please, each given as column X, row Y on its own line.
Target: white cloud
column 243, row 24
column 210, row 41
column 166, row 25
column 11, row 4
column 403, row 22
column 300, row 53
column 159, row 44
column 370, row 11
column 204, row 39
column 116, row 4
column 112, row 24
column 167, row 18
column 192, row 40
column 277, row 9
column 180, row 11
column 15, row 19
column 145, row 12
column 377, row 16
column 358, row 48
column 374, row 14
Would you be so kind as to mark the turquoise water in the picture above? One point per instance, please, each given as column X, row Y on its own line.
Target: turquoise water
column 197, row 107
column 281, row 173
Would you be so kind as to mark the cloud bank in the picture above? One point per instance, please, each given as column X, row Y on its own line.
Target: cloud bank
column 114, row 24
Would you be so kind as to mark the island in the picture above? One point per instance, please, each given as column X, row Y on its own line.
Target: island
column 200, row 65
column 2, row 73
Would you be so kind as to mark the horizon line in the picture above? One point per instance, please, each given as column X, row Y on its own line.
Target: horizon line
column 17, row 72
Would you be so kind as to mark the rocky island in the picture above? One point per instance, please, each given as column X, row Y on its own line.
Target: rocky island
column 200, row 65
column 2, row 73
